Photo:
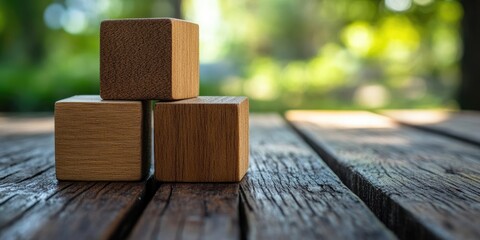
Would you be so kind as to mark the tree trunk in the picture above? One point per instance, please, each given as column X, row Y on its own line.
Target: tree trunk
column 468, row 95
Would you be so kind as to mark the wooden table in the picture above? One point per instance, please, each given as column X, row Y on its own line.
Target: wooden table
column 312, row 175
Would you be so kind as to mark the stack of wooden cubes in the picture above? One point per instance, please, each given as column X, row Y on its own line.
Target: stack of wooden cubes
column 107, row 137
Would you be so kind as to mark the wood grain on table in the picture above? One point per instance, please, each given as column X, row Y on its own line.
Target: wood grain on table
column 191, row 211
column 420, row 184
column 288, row 193
column 417, row 183
column 34, row 205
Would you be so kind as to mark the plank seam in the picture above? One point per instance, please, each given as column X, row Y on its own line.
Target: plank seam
column 402, row 223
column 168, row 201
column 133, row 214
column 242, row 214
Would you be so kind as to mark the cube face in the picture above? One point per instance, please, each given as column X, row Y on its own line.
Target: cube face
column 143, row 59
column 99, row 140
column 204, row 139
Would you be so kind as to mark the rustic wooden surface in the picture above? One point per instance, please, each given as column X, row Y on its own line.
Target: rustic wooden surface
column 421, row 185
column 191, row 211
column 34, row 205
column 202, row 139
column 290, row 193
column 464, row 126
column 149, row 59
column 99, row 140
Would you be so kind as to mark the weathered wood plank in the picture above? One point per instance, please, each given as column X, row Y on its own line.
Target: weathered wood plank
column 421, row 185
column 191, row 211
column 34, row 205
column 464, row 125
column 290, row 193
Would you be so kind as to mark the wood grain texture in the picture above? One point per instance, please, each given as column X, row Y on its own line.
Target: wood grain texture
column 202, row 139
column 191, row 211
column 464, row 125
column 290, row 193
column 149, row 59
column 99, row 140
column 185, row 60
column 421, row 185
column 34, row 205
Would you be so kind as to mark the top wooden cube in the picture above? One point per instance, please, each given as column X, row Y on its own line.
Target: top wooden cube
column 149, row 59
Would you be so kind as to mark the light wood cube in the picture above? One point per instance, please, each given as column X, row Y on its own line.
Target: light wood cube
column 202, row 139
column 149, row 59
column 98, row 140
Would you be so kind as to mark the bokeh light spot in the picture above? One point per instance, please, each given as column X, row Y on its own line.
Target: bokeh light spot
column 372, row 96
column 359, row 37
column 423, row 2
column 74, row 21
column 450, row 11
column 53, row 16
column 398, row 5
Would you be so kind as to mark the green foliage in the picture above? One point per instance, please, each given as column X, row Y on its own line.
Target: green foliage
column 283, row 54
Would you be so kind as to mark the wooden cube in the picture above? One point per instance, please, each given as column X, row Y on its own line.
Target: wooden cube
column 142, row 59
column 98, row 140
column 202, row 139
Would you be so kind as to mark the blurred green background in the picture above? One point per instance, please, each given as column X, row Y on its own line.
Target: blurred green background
column 283, row 54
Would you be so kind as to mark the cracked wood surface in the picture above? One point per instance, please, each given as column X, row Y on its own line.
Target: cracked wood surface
column 34, row 205
column 288, row 193
column 421, row 185
column 191, row 211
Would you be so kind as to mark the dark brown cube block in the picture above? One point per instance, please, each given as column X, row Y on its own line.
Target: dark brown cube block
column 149, row 59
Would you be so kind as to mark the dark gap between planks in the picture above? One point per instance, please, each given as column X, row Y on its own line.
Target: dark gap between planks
column 126, row 224
column 376, row 207
column 129, row 221
column 325, row 209
column 242, row 214
column 403, row 222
